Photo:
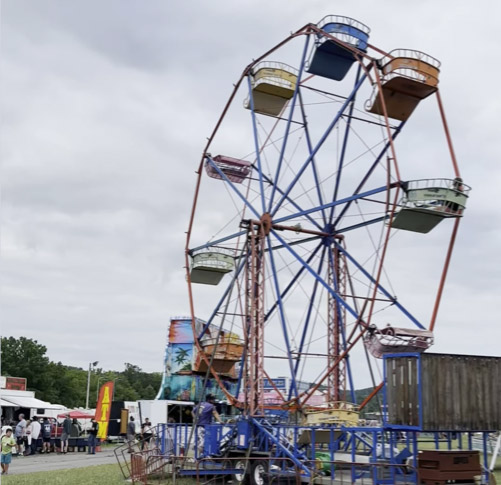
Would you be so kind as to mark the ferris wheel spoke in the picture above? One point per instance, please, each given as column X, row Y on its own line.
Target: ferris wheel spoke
column 315, row 274
column 293, row 203
column 343, row 148
column 217, row 242
column 369, row 173
column 319, row 144
column 380, row 287
column 333, row 203
column 279, row 303
column 309, row 144
column 311, row 307
column 232, row 185
column 256, row 144
column 288, row 124
column 362, row 224
column 225, row 297
column 293, row 280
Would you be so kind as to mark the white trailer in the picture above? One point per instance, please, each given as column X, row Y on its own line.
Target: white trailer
column 161, row 410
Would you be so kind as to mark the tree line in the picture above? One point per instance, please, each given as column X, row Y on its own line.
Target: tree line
column 62, row 384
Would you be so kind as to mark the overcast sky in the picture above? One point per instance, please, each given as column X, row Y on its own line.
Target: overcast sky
column 105, row 110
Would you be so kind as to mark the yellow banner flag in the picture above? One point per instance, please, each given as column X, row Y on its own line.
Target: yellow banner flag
column 103, row 409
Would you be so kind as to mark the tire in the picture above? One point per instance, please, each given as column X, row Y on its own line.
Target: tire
column 259, row 472
column 241, row 478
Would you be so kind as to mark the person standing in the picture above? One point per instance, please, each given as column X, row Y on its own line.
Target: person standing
column 27, row 438
column 20, row 434
column 65, row 434
column 146, row 433
column 46, row 432
column 205, row 412
column 131, row 433
column 35, row 434
column 76, row 429
column 92, row 439
column 8, row 442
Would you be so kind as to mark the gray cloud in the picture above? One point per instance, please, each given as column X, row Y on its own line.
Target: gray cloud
column 106, row 108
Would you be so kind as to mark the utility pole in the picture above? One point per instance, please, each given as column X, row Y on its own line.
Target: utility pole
column 91, row 365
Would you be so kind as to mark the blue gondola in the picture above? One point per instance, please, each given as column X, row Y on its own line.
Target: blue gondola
column 331, row 58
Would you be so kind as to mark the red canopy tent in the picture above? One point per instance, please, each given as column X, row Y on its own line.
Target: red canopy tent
column 76, row 415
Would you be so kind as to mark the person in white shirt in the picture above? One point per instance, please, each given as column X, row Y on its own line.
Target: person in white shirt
column 35, row 434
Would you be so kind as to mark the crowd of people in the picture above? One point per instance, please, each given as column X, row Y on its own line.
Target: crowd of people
column 44, row 435
column 28, row 437
column 38, row 435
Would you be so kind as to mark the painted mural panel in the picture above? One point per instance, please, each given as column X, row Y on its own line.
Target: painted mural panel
column 180, row 332
column 185, row 373
column 180, row 358
column 179, row 388
column 191, row 388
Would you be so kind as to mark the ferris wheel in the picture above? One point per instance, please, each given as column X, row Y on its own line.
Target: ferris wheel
column 302, row 211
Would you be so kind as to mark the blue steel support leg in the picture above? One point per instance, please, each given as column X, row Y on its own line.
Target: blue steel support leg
column 162, row 439
column 485, row 438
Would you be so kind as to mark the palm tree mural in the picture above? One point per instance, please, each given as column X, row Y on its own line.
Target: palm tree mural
column 181, row 356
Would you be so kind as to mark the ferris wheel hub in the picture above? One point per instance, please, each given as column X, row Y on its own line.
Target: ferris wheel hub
column 266, row 223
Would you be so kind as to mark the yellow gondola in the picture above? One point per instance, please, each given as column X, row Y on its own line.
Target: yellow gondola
column 273, row 85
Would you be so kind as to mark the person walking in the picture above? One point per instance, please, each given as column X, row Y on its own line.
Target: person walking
column 35, row 434
column 46, row 432
column 65, row 434
column 92, row 439
column 8, row 442
column 131, row 433
column 20, row 434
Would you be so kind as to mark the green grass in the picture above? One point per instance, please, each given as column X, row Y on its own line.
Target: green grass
column 92, row 475
column 111, row 475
